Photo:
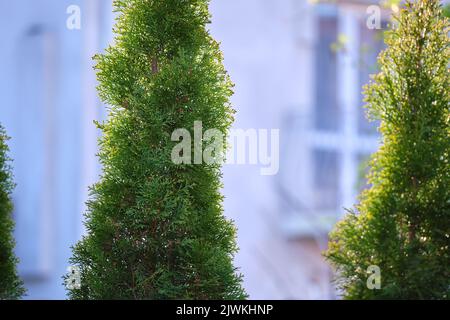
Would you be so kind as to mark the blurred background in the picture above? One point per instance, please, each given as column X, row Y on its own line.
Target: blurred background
column 298, row 66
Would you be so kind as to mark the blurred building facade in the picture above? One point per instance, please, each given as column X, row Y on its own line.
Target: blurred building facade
column 297, row 66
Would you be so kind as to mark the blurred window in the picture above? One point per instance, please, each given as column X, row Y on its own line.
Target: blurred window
column 327, row 115
column 326, row 173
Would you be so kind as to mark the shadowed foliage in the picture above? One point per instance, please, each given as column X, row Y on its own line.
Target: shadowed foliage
column 11, row 287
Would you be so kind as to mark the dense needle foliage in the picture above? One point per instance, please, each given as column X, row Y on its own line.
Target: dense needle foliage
column 156, row 229
column 402, row 223
column 11, row 286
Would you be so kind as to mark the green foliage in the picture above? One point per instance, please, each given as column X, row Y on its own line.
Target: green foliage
column 11, row 286
column 156, row 230
column 402, row 223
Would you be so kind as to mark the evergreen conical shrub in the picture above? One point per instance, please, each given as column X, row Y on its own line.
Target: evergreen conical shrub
column 11, row 287
column 156, row 229
column 402, row 223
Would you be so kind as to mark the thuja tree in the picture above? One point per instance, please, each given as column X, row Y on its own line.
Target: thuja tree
column 11, row 286
column 402, row 223
column 156, row 228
